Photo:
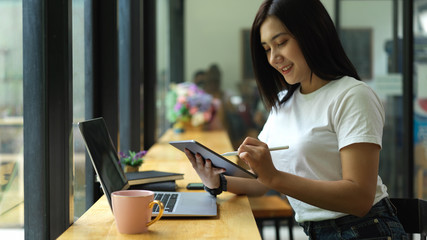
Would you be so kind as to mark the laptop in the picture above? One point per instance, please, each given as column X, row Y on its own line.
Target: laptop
column 105, row 161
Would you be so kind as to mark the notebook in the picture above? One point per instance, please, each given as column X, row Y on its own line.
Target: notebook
column 105, row 160
column 135, row 178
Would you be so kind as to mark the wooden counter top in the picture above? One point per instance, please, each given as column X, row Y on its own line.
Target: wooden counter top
column 234, row 221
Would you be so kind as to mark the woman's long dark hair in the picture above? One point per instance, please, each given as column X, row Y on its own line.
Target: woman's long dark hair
column 311, row 26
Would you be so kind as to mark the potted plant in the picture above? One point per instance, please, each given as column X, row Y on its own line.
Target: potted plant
column 132, row 161
column 186, row 103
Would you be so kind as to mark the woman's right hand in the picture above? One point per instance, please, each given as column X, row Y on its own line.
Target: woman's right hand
column 207, row 173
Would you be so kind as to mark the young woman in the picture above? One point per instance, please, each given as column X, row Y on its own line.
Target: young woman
column 331, row 121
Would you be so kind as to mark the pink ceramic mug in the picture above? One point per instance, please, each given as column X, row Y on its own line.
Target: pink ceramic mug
column 132, row 210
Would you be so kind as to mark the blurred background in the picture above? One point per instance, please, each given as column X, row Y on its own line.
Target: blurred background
column 213, row 44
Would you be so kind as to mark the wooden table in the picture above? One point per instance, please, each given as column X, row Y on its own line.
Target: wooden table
column 234, row 221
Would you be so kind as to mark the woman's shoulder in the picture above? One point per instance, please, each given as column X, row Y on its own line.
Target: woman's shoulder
column 348, row 82
column 349, row 85
column 357, row 93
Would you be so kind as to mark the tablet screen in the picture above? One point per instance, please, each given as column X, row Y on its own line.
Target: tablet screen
column 231, row 169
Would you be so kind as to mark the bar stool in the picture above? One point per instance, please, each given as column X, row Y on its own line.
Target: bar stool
column 272, row 207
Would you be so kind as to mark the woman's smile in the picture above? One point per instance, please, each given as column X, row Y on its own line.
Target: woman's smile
column 286, row 69
column 284, row 54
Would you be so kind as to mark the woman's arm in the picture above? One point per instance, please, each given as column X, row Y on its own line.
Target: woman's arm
column 250, row 187
column 353, row 194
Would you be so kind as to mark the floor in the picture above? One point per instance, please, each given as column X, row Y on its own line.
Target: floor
column 270, row 233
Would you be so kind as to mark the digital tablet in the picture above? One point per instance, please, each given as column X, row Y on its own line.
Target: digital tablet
column 231, row 169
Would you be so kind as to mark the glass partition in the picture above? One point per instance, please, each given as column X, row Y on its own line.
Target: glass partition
column 420, row 100
column 372, row 37
column 163, row 60
column 217, row 58
column 371, row 32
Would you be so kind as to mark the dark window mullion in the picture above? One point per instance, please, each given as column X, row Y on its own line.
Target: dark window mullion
column 47, row 116
column 408, row 96
column 107, row 60
column 176, row 41
column 92, row 191
column 101, row 76
column 149, row 72
column 129, row 75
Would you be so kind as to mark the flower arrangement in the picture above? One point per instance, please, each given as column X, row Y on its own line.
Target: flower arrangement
column 188, row 103
column 133, row 159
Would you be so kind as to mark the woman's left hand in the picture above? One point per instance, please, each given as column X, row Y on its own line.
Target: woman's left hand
column 257, row 155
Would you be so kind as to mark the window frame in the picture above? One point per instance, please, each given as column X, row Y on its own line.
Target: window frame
column 47, row 83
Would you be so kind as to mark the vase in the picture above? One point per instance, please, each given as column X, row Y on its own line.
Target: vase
column 129, row 168
column 179, row 127
column 183, row 126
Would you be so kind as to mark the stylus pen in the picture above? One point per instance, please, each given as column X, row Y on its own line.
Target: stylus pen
column 271, row 149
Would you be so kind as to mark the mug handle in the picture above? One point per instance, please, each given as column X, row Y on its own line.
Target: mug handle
column 161, row 209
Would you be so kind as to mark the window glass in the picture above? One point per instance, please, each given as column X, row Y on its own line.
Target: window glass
column 420, row 100
column 219, row 62
column 11, row 121
column 163, row 59
column 78, row 109
column 368, row 38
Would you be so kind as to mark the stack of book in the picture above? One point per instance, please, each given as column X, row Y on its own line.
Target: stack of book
column 153, row 180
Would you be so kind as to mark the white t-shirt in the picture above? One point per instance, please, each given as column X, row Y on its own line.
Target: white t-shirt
column 316, row 126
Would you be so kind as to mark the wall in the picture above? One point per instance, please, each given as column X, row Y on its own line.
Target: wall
column 213, row 35
column 371, row 14
column 213, row 28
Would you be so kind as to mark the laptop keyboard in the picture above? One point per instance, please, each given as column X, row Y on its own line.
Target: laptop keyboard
column 168, row 199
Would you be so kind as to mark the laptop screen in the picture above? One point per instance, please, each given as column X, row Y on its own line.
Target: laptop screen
column 103, row 156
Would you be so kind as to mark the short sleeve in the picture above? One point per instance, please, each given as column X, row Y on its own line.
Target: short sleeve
column 358, row 117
